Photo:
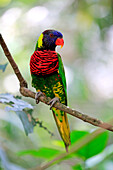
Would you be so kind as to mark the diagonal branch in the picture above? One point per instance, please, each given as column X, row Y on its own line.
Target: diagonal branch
column 28, row 93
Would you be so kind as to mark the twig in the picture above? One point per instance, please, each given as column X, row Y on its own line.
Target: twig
column 28, row 93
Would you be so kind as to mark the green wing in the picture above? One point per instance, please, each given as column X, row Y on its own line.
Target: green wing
column 62, row 74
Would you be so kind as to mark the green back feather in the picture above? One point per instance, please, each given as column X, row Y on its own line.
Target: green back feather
column 62, row 73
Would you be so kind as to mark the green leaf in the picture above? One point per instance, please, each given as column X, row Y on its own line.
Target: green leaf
column 46, row 153
column 3, row 66
column 76, row 135
column 92, row 148
column 77, row 167
column 28, row 126
column 97, row 145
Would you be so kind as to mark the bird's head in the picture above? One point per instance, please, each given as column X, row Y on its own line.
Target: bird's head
column 49, row 39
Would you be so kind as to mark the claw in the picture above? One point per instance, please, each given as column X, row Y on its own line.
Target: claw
column 53, row 101
column 38, row 94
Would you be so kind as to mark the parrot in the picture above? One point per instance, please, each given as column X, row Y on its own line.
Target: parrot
column 48, row 77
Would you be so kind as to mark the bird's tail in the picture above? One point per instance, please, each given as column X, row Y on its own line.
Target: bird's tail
column 63, row 126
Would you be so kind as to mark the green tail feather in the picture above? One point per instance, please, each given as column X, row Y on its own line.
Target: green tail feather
column 63, row 126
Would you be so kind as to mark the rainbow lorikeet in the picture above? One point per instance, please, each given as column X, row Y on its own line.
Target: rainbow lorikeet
column 48, row 77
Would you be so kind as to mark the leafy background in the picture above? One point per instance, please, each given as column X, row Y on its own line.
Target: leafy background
column 88, row 60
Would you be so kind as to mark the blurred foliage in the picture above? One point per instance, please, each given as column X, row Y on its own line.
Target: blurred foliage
column 87, row 27
column 89, row 150
column 92, row 148
column 23, row 110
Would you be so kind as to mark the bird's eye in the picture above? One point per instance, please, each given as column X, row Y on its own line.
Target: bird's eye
column 51, row 35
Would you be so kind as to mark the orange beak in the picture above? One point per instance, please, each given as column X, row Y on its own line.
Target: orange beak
column 59, row 41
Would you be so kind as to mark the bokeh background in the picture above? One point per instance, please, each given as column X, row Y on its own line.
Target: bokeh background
column 87, row 55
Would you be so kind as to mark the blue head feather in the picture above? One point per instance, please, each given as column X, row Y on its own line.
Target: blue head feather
column 49, row 39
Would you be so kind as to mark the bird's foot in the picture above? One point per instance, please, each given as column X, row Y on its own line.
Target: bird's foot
column 38, row 94
column 53, row 101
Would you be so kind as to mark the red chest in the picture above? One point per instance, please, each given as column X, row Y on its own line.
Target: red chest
column 44, row 62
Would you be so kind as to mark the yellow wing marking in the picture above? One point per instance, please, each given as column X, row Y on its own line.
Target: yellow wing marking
column 58, row 91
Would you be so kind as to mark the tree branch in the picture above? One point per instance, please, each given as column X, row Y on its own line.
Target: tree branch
column 28, row 93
